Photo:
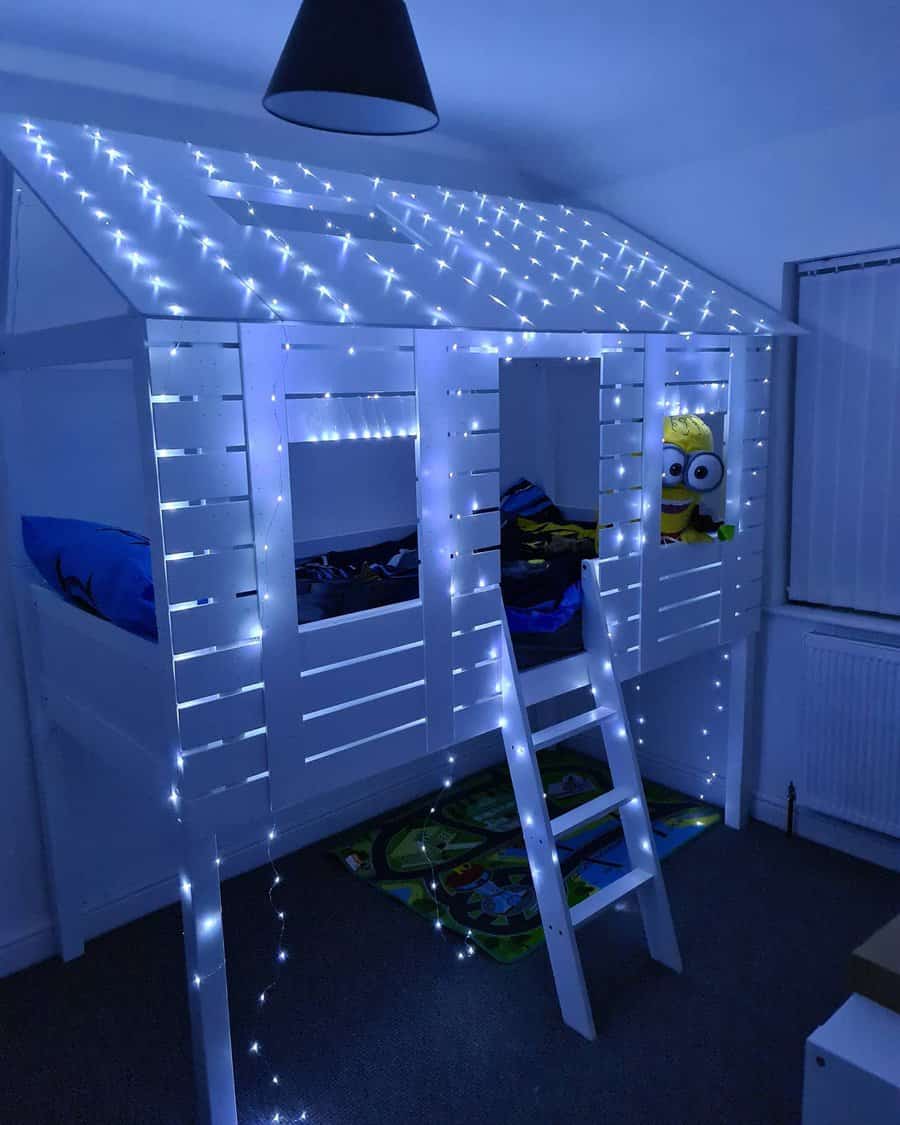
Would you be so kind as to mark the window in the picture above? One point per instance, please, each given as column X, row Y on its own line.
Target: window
column 845, row 533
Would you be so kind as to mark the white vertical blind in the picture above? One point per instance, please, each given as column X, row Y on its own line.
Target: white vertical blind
column 845, row 534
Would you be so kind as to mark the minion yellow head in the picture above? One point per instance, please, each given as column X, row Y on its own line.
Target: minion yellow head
column 690, row 468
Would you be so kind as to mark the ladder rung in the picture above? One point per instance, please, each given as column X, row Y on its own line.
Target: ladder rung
column 623, row 886
column 591, row 810
column 548, row 681
column 550, row 736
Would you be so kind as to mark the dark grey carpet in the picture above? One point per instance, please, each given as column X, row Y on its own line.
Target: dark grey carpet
column 376, row 1021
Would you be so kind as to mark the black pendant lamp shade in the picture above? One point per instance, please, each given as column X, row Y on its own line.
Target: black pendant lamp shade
column 353, row 66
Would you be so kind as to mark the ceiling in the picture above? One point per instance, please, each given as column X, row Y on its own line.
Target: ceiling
column 572, row 94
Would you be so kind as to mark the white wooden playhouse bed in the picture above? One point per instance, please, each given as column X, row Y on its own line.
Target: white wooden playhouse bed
column 274, row 305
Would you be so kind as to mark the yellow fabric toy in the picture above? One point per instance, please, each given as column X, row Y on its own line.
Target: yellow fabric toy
column 690, row 469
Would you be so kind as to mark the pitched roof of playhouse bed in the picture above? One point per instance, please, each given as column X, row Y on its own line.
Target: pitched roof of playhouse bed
column 186, row 231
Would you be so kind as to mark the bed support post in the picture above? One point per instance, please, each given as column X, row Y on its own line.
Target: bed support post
column 742, row 657
column 204, row 947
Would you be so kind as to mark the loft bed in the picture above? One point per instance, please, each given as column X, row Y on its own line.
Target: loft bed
column 264, row 327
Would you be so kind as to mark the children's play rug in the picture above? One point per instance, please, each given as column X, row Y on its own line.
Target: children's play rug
column 473, row 873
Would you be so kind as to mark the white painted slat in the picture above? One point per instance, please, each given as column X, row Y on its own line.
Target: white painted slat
column 756, row 424
column 623, row 633
column 359, row 634
column 617, row 573
column 746, row 567
column 757, row 393
column 622, row 367
column 240, row 804
column 218, row 672
column 688, row 616
column 222, row 623
column 677, row 557
column 470, row 413
column 224, row 718
column 475, row 647
column 617, row 438
column 547, row 681
column 361, row 720
column 620, row 472
column 468, row 611
column 203, row 371
column 191, row 332
column 205, row 770
column 759, row 359
column 471, row 493
column 209, row 424
column 472, row 533
column 627, row 664
column 755, row 453
column 474, row 371
column 746, row 596
column 475, row 684
column 690, row 584
column 365, row 417
column 342, row 336
column 315, row 371
column 220, row 575
column 478, row 719
column 619, row 507
column 361, row 678
column 754, row 482
column 474, row 453
column 622, row 537
column 753, row 512
column 623, row 604
column 202, row 476
column 681, row 646
column 475, row 572
column 355, row 763
column 739, row 624
column 621, row 402
column 696, row 398
column 747, row 541
column 207, row 526
column 714, row 366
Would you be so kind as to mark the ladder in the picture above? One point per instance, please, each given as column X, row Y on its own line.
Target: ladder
column 592, row 668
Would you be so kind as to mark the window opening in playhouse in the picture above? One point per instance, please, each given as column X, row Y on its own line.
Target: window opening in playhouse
column 549, row 452
column 355, row 529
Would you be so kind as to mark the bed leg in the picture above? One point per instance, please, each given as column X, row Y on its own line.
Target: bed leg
column 204, row 947
column 742, row 656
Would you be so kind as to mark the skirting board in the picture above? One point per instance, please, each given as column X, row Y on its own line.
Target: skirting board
column 40, row 944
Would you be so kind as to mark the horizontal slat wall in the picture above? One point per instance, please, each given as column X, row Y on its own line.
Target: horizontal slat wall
column 196, row 385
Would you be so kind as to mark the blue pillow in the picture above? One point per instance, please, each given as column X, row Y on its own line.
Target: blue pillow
column 104, row 569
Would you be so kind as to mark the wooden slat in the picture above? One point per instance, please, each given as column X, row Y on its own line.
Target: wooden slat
column 344, row 335
column 221, row 718
column 690, row 584
column 208, row 424
column 475, row 371
column 748, row 541
column 202, row 476
column 338, row 371
column 203, row 371
column 756, row 424
column 619, row 507
column 687, row 616
column 222, row 623
column 757, row 395
column 617, row 438
column 622, row 537
column 755, row 453
column 475, row 684
column 473, row 453
column 472, row 533
column 207, row 527
column 548, row 681
column 368, row 418
column 220, row 575
column 214, row 672
column 623, row 604
column 627, row 664
column 621, row 402
column 622, row 367
column 356, row 763
column 478, row 719
column 473, row 412
column 475, row 572
column 468, row 611
column 620, row 472
column 746, row 596
column 754, row 482
column 682, row 645
column 753, row 512
column 205, row 770
column 677, row 557
column 690, row 365
column 361, row 720
column 473, row 648
column 620, row 572
column 696, row 398
column 361, row 678
column 624, row 634
column 171, row 332
column 469, row 493
column 359, row 634
column 746, row 567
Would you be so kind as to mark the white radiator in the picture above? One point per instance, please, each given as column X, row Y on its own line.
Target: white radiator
column 851, row 748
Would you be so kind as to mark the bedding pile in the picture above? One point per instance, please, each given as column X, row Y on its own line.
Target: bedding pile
column 340, row 582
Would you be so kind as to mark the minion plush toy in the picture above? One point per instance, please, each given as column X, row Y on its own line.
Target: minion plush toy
column 690, row 469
